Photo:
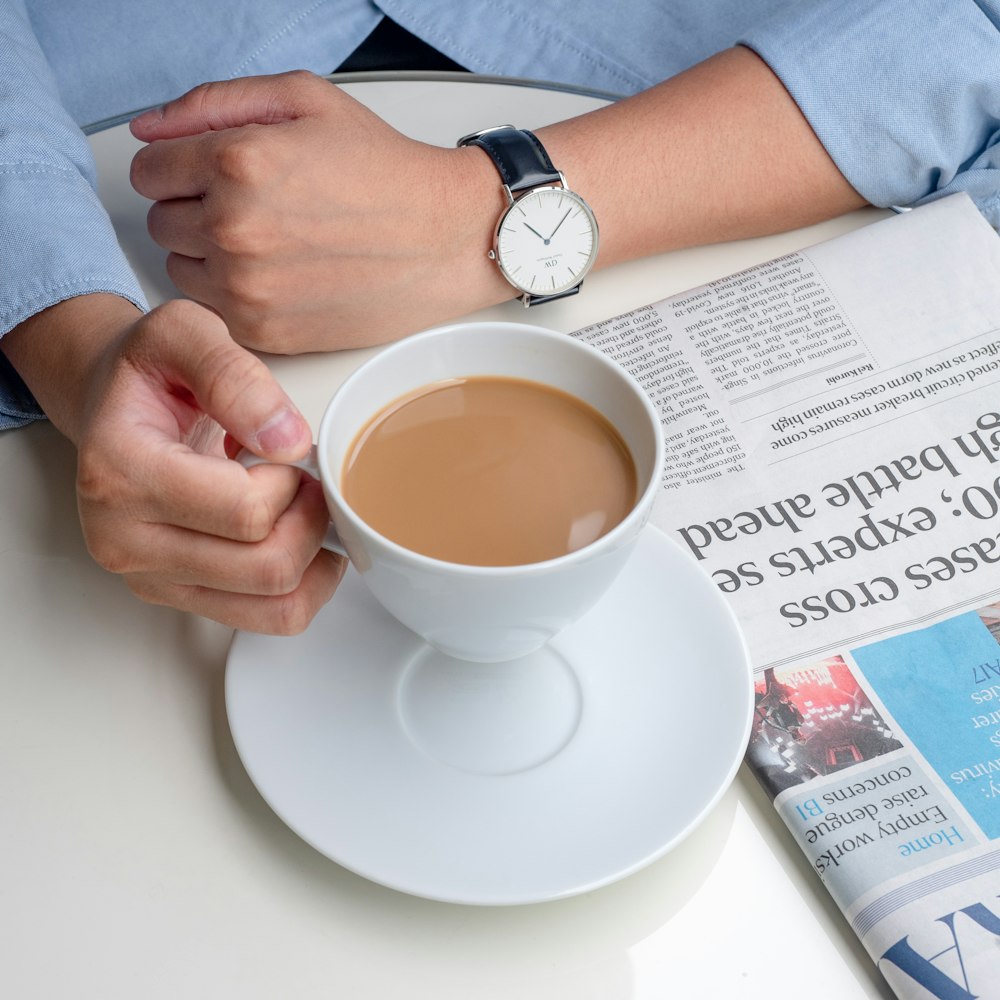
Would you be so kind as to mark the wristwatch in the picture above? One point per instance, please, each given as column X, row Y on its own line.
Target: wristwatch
column 546, row 238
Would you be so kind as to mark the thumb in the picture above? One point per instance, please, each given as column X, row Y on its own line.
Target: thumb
column 210, row 107
column 191, row 348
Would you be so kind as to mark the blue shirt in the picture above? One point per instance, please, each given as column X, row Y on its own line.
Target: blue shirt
column 904, row 94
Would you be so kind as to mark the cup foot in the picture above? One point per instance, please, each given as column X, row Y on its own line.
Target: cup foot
column 489, row 718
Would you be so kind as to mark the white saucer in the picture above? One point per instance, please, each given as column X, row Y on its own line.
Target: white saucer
column 500, row 783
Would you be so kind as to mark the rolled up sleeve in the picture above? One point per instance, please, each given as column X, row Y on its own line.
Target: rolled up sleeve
column 56, row 240
column 903, row 94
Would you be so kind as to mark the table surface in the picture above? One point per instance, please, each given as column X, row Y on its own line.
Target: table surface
column 139, row 860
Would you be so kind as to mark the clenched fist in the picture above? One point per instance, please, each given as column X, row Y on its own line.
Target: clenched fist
column 307, row 222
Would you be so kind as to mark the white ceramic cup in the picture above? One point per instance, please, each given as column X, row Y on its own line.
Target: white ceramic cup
column 487, row 613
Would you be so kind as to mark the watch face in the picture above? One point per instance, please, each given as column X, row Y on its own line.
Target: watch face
column 546, row 241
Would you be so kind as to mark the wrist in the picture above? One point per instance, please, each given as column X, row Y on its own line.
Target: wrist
column 473, row 188
column 546, row 238
column 719, row 152
column 58, row 353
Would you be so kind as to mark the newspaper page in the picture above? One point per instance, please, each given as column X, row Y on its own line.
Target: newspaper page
column 833, row 430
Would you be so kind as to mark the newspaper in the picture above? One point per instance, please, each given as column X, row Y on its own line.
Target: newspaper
column 833, row 429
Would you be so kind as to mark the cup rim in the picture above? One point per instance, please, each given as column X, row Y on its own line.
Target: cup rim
column 640, row 509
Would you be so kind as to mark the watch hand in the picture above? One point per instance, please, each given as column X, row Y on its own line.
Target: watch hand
column 537, row 233
column 561, row 221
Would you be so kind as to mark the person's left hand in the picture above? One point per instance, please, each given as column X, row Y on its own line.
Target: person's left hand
column 307, row 222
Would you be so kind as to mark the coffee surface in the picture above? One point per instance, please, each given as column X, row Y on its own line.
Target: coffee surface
column 490, row 471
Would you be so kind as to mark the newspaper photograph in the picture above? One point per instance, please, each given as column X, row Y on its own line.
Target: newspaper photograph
column 832, row 421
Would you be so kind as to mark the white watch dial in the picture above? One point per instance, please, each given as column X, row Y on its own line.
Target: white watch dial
column 546, row 241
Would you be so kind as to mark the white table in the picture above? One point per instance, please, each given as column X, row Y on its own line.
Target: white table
column 140, row 862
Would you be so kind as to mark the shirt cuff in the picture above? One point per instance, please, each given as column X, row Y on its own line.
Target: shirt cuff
column 57, row 243
column 17, row 405
column 902, row 93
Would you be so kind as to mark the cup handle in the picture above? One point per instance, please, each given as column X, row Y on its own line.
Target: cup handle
column 248, row 460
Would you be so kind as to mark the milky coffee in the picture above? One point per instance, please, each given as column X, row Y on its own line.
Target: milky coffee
column 490, row 471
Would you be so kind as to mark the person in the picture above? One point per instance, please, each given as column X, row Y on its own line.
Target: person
column 296, row 220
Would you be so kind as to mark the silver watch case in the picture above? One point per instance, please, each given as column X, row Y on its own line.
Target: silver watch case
column 527, row 294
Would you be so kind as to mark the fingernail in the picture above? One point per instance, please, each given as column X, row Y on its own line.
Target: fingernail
column 282, row 432
column 151, row 117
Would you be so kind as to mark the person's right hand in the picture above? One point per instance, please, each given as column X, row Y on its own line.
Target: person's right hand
column 159, row 500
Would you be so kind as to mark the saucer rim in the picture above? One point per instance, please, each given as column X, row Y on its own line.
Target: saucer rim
column 698, row 815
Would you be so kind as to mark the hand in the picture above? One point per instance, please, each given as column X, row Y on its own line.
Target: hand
column 159, row 501
column 307, row 222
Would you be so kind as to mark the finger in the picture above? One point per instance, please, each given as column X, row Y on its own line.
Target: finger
column 175, row 168
column 273, row 566
column 262, row 100
column 186, row 356
column 236, row 504
column 242, row 294
column 231, row 446
column 246, row 295
column 285, row 614
column 190, row 275
column 176, row 225
column 196, row 498
column 191, row 347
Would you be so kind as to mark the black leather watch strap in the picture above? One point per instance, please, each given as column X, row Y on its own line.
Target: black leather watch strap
column 518, row 155
column 537, row 300
column 523, row 165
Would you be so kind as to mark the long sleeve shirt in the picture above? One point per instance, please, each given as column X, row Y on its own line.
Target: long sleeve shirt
column 903, row 94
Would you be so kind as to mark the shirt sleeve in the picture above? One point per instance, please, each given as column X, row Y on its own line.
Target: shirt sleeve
column 904, row 94
column 56, row 240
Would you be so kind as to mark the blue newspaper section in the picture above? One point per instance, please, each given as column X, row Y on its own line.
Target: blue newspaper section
column 942, row 686
column 877, row 823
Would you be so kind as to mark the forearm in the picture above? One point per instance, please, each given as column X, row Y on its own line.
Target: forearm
column 328, row 229
column 720, row 152
column 56, row 241
column 57, row 351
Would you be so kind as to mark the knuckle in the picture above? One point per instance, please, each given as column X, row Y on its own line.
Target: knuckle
column 99, row 485
column 252, row 520
column 101, row 504
column 292, row 615
column 203, row 101
column 198, row 95
column 235, row 233
column 281, row 572
column 178, row 271
column 301, row 77
column 236, row 375
column 138, row 168
column 108, row 551
column 154, row 222
column 144, row 587
column 236, row 226
column 301, row 84
column 242, row 287
column 110, row 556
column 243, row 161
column 91, row 477
column 255, row 329
column 260, row 332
